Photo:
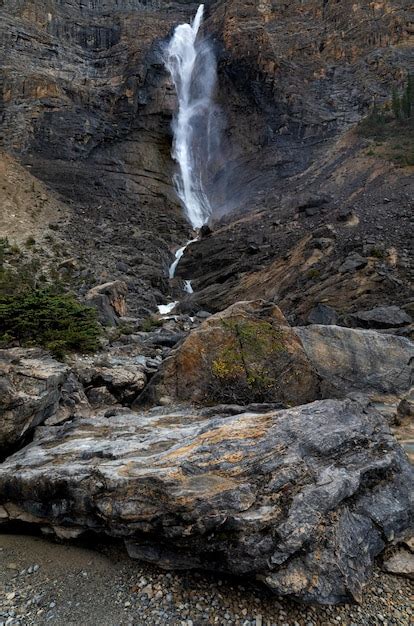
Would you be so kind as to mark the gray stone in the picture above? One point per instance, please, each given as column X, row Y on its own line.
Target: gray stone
column 100, row 396
column 353, row 263
column 359, row 360
column 323, row 314
column 382, row 317
column 303, row 499
column 109, row 300
column 31, row 383
column 401, row 563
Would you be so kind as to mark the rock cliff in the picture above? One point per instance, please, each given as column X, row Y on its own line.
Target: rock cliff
column 87, row 105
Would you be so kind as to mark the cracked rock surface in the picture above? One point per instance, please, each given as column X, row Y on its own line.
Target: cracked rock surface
column 303, row 499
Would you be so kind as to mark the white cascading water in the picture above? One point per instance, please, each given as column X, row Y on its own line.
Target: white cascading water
column 192, row 66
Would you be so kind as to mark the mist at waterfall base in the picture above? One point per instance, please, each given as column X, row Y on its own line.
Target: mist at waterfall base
column 192, row 64
column 196, row 146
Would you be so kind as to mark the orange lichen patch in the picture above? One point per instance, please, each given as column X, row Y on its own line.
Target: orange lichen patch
column 236, row 457
column 199, row 485
column 234, row 432
column 36, row 89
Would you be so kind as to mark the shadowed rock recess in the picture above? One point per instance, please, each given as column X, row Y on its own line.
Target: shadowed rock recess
column 254, row 429
column 303, row 498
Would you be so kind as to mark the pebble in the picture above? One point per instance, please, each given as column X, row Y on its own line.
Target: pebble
column 128, row 593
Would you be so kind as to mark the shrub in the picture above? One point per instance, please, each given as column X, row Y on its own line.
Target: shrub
column 149, row 324
column 45, row 317
column 243, row 369
column 391, row 127
column 30, row 242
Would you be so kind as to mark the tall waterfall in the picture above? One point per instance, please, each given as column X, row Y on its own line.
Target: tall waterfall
column 192, row 66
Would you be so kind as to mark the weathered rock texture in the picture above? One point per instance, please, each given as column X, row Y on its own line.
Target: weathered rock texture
column 87, row 105
column 303, row 499
column 249, row 353
column 359, row 360
column 246, row 353
column 31, row 385
column 109, row 300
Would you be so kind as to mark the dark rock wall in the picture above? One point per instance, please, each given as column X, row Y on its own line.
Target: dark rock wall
column 87, row 104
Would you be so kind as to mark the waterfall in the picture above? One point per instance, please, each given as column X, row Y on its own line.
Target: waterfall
column 192, row 66
column 178, row 256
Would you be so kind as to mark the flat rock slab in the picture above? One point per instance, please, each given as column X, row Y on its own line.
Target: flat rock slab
column 303, row 499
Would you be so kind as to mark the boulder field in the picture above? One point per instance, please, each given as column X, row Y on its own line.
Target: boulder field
column 271, row 460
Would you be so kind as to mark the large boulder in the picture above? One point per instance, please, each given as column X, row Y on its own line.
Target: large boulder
column 302, row 499
column 359, row 360
column 247, row 353
column 31, row 385
column 122, row 376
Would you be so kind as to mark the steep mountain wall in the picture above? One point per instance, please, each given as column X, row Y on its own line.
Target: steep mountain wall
column 86, row 106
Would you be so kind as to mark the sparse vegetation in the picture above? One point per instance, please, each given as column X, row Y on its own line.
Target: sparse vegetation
column 35, row 314
column 377, row 253
column 391, row 127
column 313, row 273
column 30, row 242
column 149, row 324
column 243, row 368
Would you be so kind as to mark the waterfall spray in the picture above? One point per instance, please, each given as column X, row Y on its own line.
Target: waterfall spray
column 192, row 66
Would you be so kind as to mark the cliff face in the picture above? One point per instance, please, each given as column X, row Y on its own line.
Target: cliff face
column 297, row 75
column 87, row 106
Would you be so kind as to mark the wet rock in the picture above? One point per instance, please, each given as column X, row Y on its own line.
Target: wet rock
column 322, row 314
column 247, row 353
column 359, row 360
column 109, row 300
column 381, row 317
column 303, row 499
column 205, row 230
column 30, row 391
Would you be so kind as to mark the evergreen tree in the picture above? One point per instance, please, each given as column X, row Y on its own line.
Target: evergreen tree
column 396, row 104
column 407, row 98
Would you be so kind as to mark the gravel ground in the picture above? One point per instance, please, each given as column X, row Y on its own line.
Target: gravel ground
column 47, row 583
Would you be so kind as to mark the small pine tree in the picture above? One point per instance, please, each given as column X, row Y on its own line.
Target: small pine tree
column 408, row 98
column 396, row 104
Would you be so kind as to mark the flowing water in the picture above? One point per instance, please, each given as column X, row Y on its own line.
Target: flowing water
column 192, row 66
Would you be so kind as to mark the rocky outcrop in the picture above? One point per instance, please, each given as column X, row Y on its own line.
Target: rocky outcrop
column 400, row 563
column 109, row 379
column 109, row 300
column 247, row 353
column 382, row 317
column 359, row 360
column 31, row 384
column 303, row 499
column 87, row 106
